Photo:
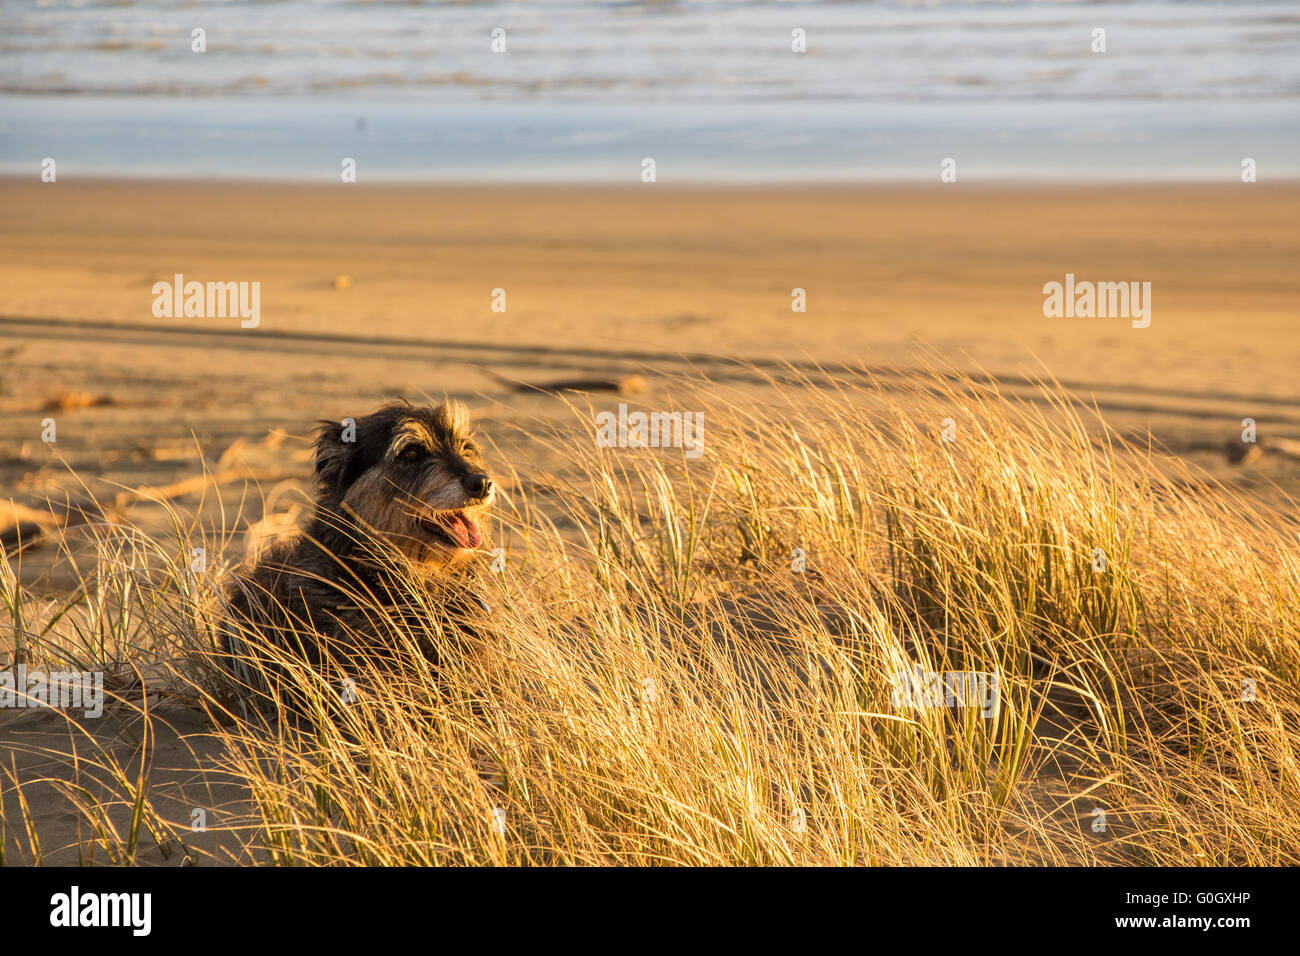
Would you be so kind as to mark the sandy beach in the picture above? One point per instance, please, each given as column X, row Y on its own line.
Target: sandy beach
column 372, row 292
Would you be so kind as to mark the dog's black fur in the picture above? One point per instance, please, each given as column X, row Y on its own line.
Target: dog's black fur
column 399, row 511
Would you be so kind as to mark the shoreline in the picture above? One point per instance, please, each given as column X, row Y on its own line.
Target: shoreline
column 1017, row 185
column 589, row 142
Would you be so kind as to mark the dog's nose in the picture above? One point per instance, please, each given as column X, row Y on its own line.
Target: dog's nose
column 479, row 486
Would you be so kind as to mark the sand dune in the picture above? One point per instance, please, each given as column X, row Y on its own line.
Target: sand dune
column 600, row 285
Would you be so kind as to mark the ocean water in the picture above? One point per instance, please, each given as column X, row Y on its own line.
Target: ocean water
column 712, row 91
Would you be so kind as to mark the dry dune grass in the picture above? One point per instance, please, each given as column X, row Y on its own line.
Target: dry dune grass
column 667, row 680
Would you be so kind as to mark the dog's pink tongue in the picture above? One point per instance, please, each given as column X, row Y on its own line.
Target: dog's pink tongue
column 463, row 528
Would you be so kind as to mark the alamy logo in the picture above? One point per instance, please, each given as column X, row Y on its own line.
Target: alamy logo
column 653, row 430
column 1102, row 300
column 65, row 690
column 921, row 689
column 75, row 908
column 214, row 300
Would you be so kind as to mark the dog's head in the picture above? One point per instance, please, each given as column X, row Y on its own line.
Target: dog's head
column 412, row 476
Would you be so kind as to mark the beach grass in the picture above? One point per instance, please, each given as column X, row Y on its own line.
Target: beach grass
column 698, row 661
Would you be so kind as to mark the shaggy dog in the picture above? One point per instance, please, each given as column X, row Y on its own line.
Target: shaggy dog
column 402, row 497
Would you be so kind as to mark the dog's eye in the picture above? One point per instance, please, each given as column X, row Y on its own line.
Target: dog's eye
column 411, row 453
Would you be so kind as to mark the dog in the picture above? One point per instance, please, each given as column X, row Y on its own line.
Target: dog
column 402, row 502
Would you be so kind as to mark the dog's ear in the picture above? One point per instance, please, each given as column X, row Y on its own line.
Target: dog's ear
column 336, row 448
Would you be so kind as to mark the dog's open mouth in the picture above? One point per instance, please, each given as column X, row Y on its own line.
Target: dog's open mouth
column 454, row 528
